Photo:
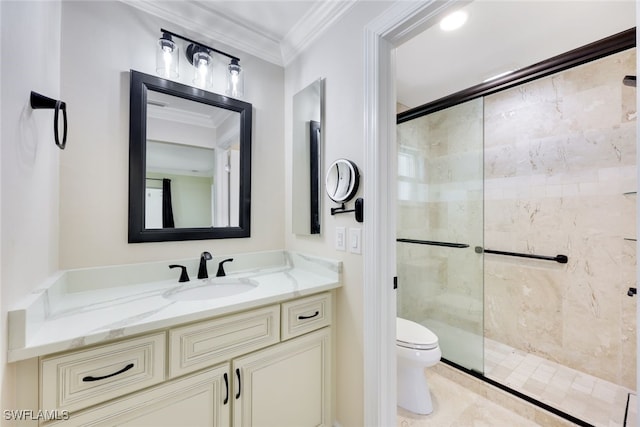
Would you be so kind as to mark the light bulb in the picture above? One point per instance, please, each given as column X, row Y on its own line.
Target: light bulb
column 202, row 72
column 234, row 83
column 202, row 63
column 235, row 86
column 166, row 56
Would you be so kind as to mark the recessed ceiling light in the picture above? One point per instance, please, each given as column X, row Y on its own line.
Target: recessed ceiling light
column 454, row 20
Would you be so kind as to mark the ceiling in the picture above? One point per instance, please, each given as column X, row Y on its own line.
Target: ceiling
column 181, row 110
column 499, row 35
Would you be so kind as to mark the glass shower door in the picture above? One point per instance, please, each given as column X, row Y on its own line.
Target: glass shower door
column 440, row 222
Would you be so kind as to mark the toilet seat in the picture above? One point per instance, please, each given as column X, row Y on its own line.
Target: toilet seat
column 414, row 336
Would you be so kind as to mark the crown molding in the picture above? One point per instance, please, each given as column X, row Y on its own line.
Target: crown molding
column 209, row 24
column 313, row 24
column 199, row 18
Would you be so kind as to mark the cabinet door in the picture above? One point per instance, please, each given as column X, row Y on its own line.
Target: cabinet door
column 287, row 385
column 203, row 399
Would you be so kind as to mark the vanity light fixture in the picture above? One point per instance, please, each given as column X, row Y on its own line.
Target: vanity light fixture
column 201, row 57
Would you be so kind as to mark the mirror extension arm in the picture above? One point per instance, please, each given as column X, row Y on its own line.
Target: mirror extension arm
column 358, row 209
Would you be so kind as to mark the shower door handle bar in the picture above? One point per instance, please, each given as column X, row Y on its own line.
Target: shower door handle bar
column 433, row 243
column 562, row 259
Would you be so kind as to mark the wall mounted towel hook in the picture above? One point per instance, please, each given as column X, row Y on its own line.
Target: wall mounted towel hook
column 39, row 101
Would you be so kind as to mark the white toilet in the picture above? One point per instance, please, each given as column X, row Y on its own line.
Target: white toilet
column 416, row 349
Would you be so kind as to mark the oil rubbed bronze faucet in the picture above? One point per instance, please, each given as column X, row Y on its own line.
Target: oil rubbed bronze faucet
column 202, row 270
column 221, row 272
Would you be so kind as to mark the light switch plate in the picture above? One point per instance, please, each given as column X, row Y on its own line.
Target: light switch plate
column 341, row 239
column 355, row 240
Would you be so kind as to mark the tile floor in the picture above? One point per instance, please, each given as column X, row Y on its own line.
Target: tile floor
column 591, row 399
column 461, row 400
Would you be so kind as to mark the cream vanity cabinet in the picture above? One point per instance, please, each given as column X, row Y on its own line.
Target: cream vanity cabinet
column 284, row 385
column 269, row 366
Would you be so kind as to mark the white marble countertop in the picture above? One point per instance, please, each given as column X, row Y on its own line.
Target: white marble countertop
column 89, row 306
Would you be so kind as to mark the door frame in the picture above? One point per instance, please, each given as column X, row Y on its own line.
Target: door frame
column 402, row 21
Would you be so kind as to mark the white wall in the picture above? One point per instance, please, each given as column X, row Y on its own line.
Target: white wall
column 338, row 56
column 30, row 60
column 101, row 42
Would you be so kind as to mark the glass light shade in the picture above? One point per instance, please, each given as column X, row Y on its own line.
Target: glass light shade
column 203, row 69
column 235, row 79
column 167, row 58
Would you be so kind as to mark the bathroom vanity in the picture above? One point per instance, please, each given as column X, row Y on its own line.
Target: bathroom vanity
column 134, row 354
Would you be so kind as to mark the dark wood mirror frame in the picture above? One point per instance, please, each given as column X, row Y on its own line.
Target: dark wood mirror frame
column 140, row 84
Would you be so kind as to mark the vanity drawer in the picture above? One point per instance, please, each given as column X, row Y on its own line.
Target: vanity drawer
column 218, row 340
column 305, row 315
column 84, row 378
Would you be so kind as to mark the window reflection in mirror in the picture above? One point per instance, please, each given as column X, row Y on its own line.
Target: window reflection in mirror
column 193, row 161
column 306, row 158
column 189, row 163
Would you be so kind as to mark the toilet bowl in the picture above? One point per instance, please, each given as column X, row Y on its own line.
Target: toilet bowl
column 416, row 349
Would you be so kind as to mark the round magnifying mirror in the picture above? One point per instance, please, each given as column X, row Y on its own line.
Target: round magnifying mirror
column 342, row 180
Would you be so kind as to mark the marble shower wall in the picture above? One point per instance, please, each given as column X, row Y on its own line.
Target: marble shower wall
column 560, row 153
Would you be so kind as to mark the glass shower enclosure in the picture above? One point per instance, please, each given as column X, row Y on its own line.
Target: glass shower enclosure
column 516, row 234
column 440, row 222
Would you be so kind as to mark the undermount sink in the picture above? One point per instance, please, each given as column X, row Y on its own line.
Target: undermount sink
column 211, row 288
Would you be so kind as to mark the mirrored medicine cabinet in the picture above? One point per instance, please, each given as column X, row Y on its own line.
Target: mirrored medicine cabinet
column 189, row 162
column 308, row 115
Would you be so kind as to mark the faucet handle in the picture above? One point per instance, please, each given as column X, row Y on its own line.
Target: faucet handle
column 221, row 272
column 184, row 277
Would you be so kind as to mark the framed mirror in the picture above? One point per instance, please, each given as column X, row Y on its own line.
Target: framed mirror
column 342, row 180
column 189, row 163
column 307, row 158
